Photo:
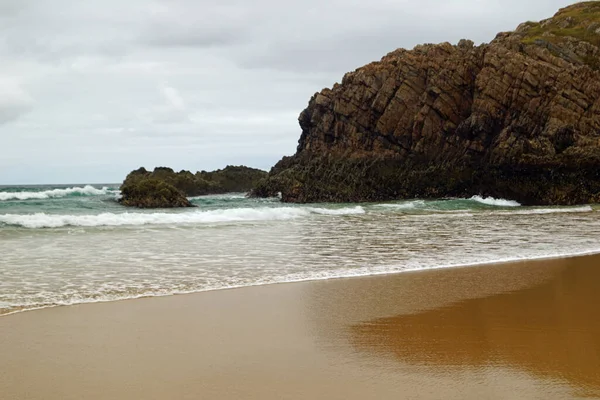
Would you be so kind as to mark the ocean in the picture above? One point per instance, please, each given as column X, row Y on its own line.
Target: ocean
column 72, row 244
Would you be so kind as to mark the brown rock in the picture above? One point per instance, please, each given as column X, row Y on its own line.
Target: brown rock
column 517, row 118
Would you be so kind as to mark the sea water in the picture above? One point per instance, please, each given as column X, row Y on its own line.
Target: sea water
column 71, row 244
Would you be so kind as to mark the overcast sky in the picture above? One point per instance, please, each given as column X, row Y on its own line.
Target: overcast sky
column 91, row 89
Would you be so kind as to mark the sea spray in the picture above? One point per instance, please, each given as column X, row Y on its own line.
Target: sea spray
column 490, row 201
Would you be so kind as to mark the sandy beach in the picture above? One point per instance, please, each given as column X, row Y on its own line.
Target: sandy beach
column 525, row 330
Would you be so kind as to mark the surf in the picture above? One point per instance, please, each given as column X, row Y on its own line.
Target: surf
column 87, row 190
column 45, row 220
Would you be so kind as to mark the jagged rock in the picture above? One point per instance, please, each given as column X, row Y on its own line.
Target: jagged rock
column 164, row 187
column 517, row 118
column 232, row 179
column 144, row 191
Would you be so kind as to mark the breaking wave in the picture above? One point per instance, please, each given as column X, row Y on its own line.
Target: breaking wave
column 490, row 201
column 338, row 211
column 404, row 206
column 87, row 190
column 449, row 205
column 43, row 220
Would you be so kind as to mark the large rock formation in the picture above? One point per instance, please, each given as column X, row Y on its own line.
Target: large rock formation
column 518, row 118
column 164, row 187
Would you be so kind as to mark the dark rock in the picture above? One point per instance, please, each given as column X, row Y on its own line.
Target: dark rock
column 164, row 187
column 150, row 192
column 232, row 179
column 518, row 118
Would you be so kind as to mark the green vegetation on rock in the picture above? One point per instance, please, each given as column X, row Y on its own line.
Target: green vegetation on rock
column 232, row 179
column 164, row 187
column 580, row 21
column 565, row 33
column 151, row 192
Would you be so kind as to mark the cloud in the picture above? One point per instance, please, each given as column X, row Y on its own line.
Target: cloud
column 14, row 101
column 195, row 24
column 90, row 89
column 173, row 98
column 165, row 34
column 172, row 110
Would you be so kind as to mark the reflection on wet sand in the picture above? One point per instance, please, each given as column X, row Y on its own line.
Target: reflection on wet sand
column 525, row 330
column 550, row 330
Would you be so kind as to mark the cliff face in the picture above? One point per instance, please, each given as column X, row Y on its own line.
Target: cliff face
column 517, row 118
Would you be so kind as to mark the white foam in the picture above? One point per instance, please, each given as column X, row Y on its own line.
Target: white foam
column 495, row 202
column 337, row 211
column 403, row 206
column 226, row 196
column 43, row 220
column 557, row 210
column 318, row 275
column 54, row 193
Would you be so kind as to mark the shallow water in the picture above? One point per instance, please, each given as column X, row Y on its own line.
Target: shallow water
column 76, row 244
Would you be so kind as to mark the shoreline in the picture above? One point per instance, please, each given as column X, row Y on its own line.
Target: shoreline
column 527, row 329
column 317, row 279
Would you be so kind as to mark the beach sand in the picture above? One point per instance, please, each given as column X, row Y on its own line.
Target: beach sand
column 525, row 330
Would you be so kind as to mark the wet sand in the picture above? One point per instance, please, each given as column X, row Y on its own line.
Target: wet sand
column 527, row 330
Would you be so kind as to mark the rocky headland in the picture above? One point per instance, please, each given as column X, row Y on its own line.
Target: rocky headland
column 517, row 118
column 165, row 188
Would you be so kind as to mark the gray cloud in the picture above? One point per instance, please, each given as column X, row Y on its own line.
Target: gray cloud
column 190, row 37
column 91, row 90
column 14, row 101
column 195, row 24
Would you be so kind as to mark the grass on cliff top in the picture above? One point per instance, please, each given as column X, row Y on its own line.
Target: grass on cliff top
column 580, row 21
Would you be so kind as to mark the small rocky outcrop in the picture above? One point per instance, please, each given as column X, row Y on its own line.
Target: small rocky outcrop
column 231, row 179
column 517, row 118
column 145, row 191
column 165, row 188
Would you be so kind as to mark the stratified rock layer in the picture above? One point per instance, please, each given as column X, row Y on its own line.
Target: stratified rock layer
column 517, row 118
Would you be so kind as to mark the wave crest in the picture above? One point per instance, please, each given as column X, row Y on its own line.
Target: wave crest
column 556, row 210
column 87, row 190
column 490, row 201
column 43, row 220
column 410, row 205
column 337, row 211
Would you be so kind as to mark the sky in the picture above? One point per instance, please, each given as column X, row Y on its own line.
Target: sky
column 92, row 89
